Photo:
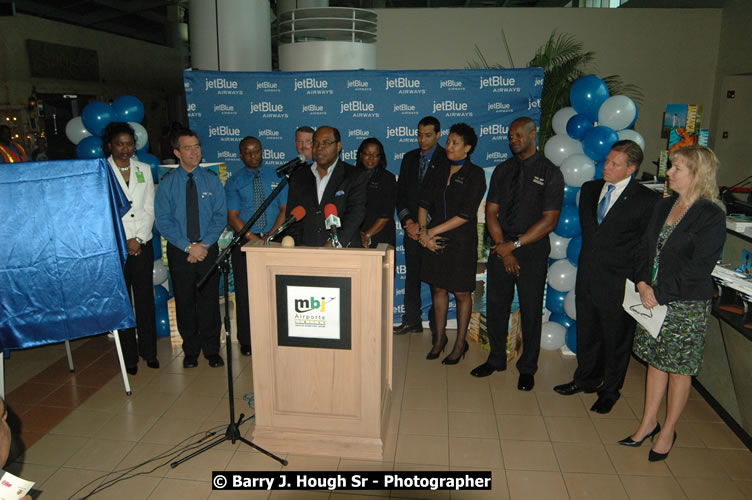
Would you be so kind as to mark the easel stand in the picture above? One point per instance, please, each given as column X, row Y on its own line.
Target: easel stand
column 223, row 262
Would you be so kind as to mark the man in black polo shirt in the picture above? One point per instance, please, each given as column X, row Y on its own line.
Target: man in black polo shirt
column 523, row 205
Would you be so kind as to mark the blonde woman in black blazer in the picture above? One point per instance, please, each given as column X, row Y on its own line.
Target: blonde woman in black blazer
column 682, row 244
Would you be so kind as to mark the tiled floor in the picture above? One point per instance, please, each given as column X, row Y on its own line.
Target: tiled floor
column 83, row 429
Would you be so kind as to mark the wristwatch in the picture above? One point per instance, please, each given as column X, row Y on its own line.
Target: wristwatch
column 140, row 241
column 517, row 243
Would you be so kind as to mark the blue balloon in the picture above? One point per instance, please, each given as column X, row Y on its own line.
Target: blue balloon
column 163, row 322
column 571, row 337
column 128, row 109
column 562, row 319
column 569, row 222
column 160, row 297
column 555, row 301
column 570, row 195
column 599, row 169
column 578, row 125
column 96, row 116
column 587, row 94
column 637, row 113
column 156, row 242
column 573, row 250
column 90, row 147
column 153, row 162
column 598, row 141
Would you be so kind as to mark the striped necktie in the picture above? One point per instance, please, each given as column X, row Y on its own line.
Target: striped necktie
column 603, row 204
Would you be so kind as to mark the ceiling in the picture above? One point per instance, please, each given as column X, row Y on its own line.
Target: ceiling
column 149, row 20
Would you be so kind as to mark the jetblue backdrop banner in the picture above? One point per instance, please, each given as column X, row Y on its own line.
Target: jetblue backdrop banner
column 224, row 107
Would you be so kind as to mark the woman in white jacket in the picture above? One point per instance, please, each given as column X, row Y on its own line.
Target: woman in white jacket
column 119, row 142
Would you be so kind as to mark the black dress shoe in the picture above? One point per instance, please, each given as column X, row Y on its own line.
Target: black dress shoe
column 450, row 361
column 215, row 360
column 603, row 405
column 485, row 370
column 154, row 363
column 571, row 388
column 190, row 361
column 403, row 329
column 526, row 382
column 628, row 441
column 654, row 456
column 245, row 349
column 132, row 370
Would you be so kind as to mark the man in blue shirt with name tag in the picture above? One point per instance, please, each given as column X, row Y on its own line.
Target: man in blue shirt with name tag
column 191, row 213
column 246, row 190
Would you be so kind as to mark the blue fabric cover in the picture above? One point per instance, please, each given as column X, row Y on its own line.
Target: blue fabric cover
column 62, row 251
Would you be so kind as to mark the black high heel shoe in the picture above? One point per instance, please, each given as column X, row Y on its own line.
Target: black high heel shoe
column 628, row 441
column 433, row 355
column 654, row 456
column 449, row 361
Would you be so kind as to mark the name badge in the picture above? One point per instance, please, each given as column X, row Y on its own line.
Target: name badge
column 140, row 176
column 538, row 180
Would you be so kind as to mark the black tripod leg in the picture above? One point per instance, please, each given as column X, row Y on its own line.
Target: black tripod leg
column 268, row 454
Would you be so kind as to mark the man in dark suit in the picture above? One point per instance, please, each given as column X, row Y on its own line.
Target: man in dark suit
column 327, row 180
column 415, row 165
column 613, row 214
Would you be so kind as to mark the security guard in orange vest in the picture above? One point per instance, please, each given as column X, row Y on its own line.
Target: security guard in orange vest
column 10, row 152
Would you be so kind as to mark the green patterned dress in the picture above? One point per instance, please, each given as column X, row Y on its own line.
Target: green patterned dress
column 681, row 343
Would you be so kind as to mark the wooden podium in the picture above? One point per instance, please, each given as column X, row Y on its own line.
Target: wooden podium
column 321, row 333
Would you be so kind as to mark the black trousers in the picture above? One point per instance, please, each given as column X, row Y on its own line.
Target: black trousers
column 531, row 284
column 413, row 303
column 197, row 309
column 242, row 313
column 139, row 281
column 604, row 344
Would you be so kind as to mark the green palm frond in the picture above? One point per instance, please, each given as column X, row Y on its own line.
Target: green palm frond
column 564, row 60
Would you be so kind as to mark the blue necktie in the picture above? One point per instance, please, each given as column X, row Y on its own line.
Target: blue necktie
column 603, row 204
column 258, row 200
column 423, row 167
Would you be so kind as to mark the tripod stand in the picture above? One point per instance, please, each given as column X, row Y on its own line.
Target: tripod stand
column 223, row 263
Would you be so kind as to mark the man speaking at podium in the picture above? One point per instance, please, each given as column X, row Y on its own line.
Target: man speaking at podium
column 327, row 180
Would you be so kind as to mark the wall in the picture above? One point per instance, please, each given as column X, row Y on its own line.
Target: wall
column 670, row 53
column 152, row 73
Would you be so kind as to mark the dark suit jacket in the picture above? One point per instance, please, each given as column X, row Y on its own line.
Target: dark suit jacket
column 408, row 187
column 689, row 255
column 346, row 189
column 610, row 251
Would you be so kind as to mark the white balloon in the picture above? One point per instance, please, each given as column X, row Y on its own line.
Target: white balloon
column 577, row 170
column 617, row 112
column 631, row 135
column 142, row 137
column 569, row 305
column 560, row 147
column 560, row 119
column 577, row 200
column 75, row 130
column 160, row 272
column 562, row 275
column 558, row 246
column 553, row 336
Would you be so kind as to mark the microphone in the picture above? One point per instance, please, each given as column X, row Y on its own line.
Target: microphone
column 332, row 223
column 296, row 214
column 288, row 167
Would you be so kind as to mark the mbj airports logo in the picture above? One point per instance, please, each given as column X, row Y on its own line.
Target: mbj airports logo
column 223, row 86
column 358, row 85
column 267, row 86
column 499, row 83
column 313, row 311
column 312, row 86
column 404, row 85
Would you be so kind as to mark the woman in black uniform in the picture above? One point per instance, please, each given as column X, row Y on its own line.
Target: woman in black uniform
column 448, row 218
column 378, row 225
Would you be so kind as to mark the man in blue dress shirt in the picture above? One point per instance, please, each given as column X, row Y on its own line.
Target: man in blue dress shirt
column 246, row 190
column 191, row 213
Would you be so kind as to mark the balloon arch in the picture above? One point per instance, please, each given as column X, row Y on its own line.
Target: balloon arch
column 585, row 133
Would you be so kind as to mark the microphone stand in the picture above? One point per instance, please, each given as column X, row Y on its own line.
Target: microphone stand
column 223, row 263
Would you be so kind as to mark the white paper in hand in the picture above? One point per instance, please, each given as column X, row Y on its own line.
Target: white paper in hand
column 13, row 487
column 650, row 319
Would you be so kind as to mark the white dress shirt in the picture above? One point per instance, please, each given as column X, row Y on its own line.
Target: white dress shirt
column 321, row 182
column 618, row 190
column 139, row 220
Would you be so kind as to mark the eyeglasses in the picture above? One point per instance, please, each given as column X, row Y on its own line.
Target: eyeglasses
column 323, row 144
column 371, row 155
